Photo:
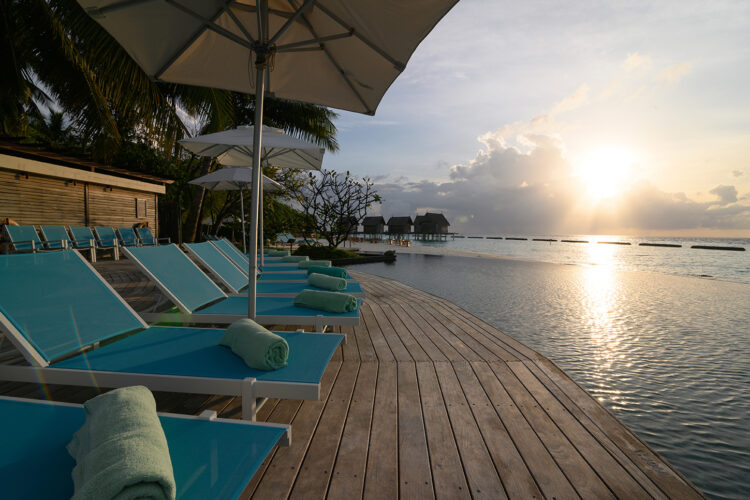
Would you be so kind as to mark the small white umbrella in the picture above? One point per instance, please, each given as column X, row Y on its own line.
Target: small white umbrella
column 235, row 147
column 235, row 179
column 339, row 53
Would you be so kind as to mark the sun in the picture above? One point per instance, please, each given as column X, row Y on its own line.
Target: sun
column 606, row 171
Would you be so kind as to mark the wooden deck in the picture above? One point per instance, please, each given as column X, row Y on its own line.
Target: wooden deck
column 427, row 401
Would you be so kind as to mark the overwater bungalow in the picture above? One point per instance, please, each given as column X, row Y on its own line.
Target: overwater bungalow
column 373, row 225
column 400, row 225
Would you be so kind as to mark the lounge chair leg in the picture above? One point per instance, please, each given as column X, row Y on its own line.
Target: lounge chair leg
column 249, row 404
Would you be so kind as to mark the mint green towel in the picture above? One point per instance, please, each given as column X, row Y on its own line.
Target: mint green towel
column 257, row 347
column 320, row 263
column 338, row 272
column 334, row 302
column 121, row 451
column 327, row 282
column 295, row 258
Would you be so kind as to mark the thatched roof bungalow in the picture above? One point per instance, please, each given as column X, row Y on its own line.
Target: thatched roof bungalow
column 431, row 223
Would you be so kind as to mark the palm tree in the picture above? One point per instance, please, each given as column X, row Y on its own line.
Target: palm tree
column 52, row 51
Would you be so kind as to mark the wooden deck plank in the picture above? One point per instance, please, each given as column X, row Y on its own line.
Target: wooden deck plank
column 277, row 480
column 484, row 480
column 412, row 345
column 415, row 476
column 447, row 472
column 546, row 472
column 348, row 478
column 427, row 345
column 608, row 469
column 398, row 348
column 382, row 349
column 579, row 472
column 418, row 326
column 364, row 344
column 498, row 348
column 669, row 480
column 518, row 481
column 381, row 478
column 350, row 349
column 317, row 467
column 477, row 351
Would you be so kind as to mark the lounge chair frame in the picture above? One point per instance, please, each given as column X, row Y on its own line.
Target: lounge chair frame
column 234, row 291
column 209, row 415
column 40, row 371
column 320, row 322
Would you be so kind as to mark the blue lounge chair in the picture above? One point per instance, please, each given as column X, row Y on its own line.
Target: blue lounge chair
column 22, row 238
column 56, row 237
column 106, row 239
column 55, row 309
column 225, row 272
column 278, row 266
column 82, row 237
column 127, row 237
column 147, row 237
column 211, row 458
column 199, row 300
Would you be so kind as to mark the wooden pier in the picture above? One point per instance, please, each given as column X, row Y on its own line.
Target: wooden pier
column 427, row 401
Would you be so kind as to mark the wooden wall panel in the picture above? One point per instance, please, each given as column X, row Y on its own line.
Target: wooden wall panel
column 41, row 200
column 44, row 200
column 117, row 207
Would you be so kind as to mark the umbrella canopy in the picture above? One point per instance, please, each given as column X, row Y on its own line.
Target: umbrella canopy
column 337, row 53
column 235, row 148
column 233, row 179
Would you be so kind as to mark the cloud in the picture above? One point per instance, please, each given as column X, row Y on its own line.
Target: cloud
column 509, row 189
column 674, row 74
column 635, row 61
column 573, row 101
column 726, row 194
column 737, row 173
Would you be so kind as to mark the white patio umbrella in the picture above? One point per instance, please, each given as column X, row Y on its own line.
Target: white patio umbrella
column 235, row 147
column 339, row 53
column 235, row 179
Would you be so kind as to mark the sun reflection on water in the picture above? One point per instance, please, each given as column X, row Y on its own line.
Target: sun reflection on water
column 599, row 307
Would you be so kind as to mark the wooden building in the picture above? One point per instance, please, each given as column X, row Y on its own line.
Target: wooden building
column 400, row 225
column 373, row 225
column 431, row 223
column 39, row 187
column 349, row 224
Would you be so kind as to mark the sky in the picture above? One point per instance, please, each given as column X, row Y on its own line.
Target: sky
column 548, row 117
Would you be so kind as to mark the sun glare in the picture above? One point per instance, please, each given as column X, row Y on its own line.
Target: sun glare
column 605, row 171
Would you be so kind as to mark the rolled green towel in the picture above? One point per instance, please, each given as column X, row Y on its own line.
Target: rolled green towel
column 257, row 347
column 334, row 302
column 338, row 272
column 320, row 263
column 327, row 282
column 121, row 451
column 295, row 258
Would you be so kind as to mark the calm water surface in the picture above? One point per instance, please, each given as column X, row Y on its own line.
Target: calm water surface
column 669, row 355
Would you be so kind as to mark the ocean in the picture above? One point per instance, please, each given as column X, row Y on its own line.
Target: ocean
column 667, row 352
column 683, row 261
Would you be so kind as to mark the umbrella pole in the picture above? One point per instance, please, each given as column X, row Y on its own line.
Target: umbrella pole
column 242, row 213
column 260, row 82
column 260, row 223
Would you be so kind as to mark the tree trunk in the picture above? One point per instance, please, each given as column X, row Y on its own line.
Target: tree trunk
column 193, row 224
